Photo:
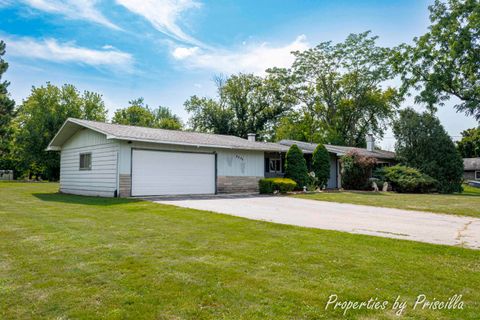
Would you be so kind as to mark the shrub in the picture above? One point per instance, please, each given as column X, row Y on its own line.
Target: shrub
column 282, row 185
column 356, row 171
column 296, row 166
column 422, row 142
column 406, row 179
column 321, row 165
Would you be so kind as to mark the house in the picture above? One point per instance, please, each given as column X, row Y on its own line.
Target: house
column 471, row 168
column 336, row 152
column 110, row 160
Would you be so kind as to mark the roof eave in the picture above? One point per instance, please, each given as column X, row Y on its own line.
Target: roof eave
column 197, row 145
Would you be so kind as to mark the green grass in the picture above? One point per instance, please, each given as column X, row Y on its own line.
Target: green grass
column 466, row 203
column 72, row 257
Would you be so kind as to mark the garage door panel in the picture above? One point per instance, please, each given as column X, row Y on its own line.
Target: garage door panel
column 170, row 173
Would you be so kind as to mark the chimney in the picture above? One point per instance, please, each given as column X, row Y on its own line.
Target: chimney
column 251, row 137
column 370, row 142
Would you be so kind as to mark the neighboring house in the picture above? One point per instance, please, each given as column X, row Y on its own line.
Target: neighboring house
column 471, row 168
column 336, row 152
column 111, row 160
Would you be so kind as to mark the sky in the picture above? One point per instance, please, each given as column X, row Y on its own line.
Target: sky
column 167, row 50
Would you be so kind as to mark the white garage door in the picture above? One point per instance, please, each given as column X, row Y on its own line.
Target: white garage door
column 170, row 173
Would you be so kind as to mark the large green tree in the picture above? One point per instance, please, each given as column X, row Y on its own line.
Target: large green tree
column 140, row 114
column 39, row 118
column 246, row 104
column 445, row 61
column 469, row 145
column 340, row 89
column 423, row 143
column 7, row 112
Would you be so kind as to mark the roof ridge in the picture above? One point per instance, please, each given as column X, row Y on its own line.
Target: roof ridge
column 161, row 129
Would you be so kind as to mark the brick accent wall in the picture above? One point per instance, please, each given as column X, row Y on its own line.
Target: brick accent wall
column 231, row 184
column 125, row 185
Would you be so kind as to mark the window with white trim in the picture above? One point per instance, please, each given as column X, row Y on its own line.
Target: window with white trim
column 477, row 175
column 85, row 161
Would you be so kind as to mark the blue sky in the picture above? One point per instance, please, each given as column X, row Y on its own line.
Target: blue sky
column 168, row 50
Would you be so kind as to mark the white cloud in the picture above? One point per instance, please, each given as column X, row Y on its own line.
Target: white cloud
column 182, row 53
column 163, row 15
column 52, row 50
column 73, row 9
column 248, row 58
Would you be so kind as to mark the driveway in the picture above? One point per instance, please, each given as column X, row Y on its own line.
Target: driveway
column 382, row 222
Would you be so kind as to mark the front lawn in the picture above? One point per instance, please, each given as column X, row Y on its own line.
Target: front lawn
column 466, row 203
column 72, row 257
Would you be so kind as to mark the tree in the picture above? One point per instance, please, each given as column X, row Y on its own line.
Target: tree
column 296, row 166
column 321, row 165
column 246, row 104
column 166, row 119
column 7, row 112
column 139, row 114
column 469, row 146
column 445, row 61
column 39, row 118
column 423, row 143
column 136, row 114
column 302, row 126
column 339, row 88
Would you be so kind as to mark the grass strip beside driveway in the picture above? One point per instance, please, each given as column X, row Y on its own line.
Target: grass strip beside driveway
column 466, row 203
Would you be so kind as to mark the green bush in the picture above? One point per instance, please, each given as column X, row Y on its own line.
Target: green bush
column 296, row 166
column 356, row 171
column 321, row 165
column 408, row 180
column 282, row 185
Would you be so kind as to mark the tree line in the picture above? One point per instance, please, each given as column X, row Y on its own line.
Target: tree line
column 332, row 93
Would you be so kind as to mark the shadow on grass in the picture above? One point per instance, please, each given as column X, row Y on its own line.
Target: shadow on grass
column 68, row 198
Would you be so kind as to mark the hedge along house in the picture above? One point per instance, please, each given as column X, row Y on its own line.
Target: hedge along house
column 110, row 160
column 336, row 152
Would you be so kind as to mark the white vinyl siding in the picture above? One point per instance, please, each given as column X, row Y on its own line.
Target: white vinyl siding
column 101, row 179
column 240, row 163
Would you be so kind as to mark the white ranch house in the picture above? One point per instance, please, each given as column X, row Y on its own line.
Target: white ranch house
column 111, row 160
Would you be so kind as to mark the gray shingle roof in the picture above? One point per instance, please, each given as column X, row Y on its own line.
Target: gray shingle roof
column 340, row 150
column 176, row 137
column 471, row 164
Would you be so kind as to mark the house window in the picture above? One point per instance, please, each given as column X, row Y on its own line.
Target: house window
column 85, row 161
column 274, row 165
column 477, row 175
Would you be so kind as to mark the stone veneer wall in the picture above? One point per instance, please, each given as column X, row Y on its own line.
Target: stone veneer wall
column 231, row 184
column 125, row 185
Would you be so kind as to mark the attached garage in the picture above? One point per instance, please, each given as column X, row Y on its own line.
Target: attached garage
column 172, row 173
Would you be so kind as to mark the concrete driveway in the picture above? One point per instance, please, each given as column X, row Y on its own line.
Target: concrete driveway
column 382, row 222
